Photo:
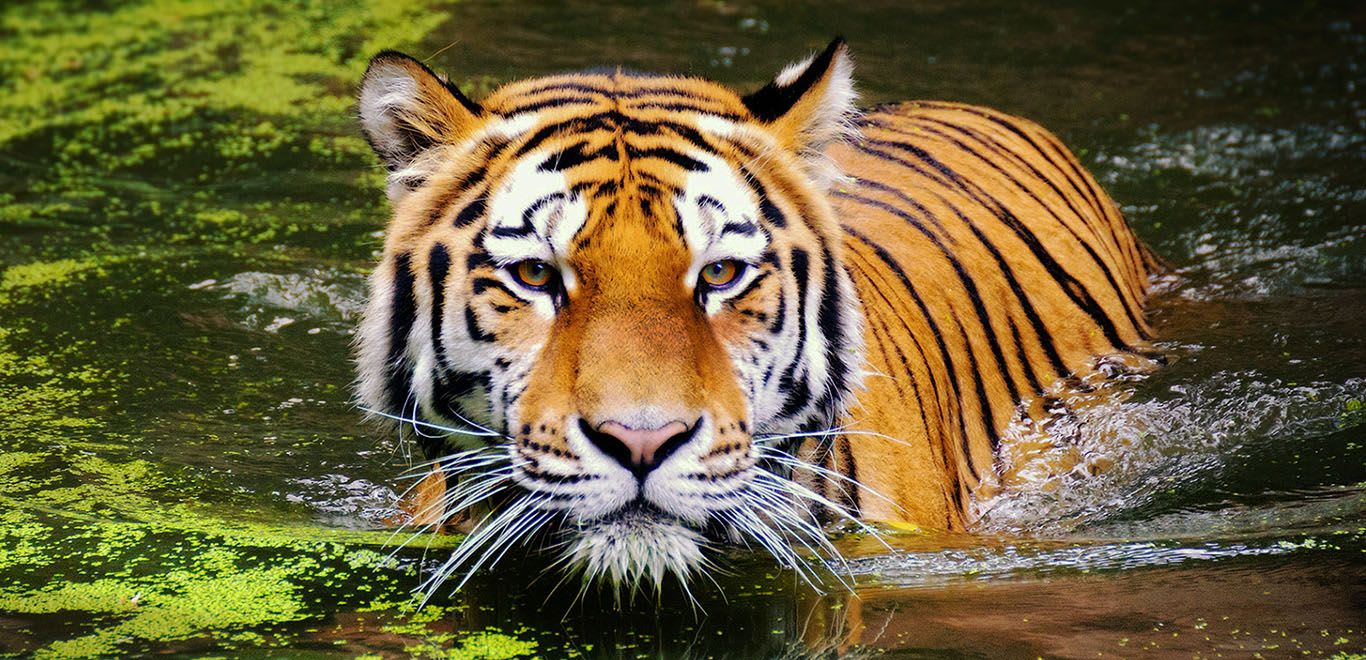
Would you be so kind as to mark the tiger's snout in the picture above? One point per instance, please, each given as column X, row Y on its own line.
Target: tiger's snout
column 639, row 450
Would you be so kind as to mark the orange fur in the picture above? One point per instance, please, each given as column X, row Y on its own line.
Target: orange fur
column 987, row 266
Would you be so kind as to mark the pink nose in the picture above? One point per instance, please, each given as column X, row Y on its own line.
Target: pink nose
column 643, row 443
column 638, row 450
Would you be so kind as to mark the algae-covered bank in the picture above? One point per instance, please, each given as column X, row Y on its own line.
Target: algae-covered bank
column 188, row 213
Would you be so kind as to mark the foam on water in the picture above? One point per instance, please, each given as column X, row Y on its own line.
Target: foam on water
column 1144, row 450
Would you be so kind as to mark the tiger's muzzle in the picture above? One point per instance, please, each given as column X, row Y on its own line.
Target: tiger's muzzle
column 636, row 449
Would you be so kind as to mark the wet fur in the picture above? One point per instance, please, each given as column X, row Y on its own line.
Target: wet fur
column 918, row 271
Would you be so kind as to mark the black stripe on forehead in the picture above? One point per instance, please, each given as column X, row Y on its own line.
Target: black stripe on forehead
column 613, row 121
column 606, row 85
column 472, row 211
column 527, row 226
column 669, row 155
column 576, row 154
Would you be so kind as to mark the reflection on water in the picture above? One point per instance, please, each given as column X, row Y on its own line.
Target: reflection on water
column 182, row 470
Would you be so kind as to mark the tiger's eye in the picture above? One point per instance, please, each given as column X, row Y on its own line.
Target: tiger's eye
column 721, row 274
column 534, row 273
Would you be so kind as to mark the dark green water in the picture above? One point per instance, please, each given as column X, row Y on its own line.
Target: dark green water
column 187, row 215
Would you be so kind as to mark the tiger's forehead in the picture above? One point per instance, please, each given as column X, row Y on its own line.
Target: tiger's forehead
column 539, row 211
column 628, row 93
column 631, row 154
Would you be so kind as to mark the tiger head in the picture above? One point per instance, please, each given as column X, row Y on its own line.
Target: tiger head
column 613, row 305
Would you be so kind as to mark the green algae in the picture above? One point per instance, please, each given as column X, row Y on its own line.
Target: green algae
column 488, row 645
column 131, row 547
column 44, row 273
column 134, row 115
column 185, row 575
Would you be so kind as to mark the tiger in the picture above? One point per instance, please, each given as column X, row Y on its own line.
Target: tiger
column 652, row 317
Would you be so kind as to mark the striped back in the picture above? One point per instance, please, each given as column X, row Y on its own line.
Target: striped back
column 991, row 265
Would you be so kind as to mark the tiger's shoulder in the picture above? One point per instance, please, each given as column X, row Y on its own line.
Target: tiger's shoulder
column 990, row 266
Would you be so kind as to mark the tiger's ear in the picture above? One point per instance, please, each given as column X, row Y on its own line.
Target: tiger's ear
column 405, row 110
column 810, row 104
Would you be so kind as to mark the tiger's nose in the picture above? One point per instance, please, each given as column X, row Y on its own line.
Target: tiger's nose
column 638, row 450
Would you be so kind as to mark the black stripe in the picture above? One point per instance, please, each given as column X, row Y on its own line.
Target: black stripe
column 1133, row 247
column 513, row 232
column 1080, row 296
column 850, row 470
column 1106, row 209
column 1035, row 384
column 553, row 102
column 663, row 153
column 613, row 121
column 1125, row 294
column 402, row 315
column 664, row 91
column 529, row 213
column 714, row 203
column 561, row 87
column 768, row 211
column 1042, row 333
column 796, row 387
column 742, row 228
column 482, row 284
column 779, row 317
column 438, row 265
column 891, row 264
column 979, row 382
column 472, row 211
column 574, row 155
column 472, row 327
column 476, row 259
column 528, row 216
column 831, row 321
column 966, row 279
column 677, row 106
column 753, row 284
column 992, row 143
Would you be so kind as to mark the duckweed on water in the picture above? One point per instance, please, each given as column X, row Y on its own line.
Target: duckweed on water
column 89, row 529
column 135, row 116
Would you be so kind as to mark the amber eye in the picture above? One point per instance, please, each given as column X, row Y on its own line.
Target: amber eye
column 533, row 273
column 721, row 274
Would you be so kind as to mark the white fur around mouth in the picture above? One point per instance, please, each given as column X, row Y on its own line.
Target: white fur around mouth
column 634, row 545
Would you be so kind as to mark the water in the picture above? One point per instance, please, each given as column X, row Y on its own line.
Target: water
column 188, row 215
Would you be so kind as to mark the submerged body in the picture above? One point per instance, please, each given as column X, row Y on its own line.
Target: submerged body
column 652, row 315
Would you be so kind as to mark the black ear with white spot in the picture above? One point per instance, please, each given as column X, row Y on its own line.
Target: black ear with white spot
column 809, row 105
column 405, row 110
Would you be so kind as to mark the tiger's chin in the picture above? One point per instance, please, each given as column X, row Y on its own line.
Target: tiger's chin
column 635, row 546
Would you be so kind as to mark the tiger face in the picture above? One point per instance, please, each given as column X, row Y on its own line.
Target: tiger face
column 611, row 304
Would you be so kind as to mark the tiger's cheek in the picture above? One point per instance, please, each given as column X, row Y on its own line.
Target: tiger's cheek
column 731, row 328
column 745, row 329
column 519, row 328
column 546, row 398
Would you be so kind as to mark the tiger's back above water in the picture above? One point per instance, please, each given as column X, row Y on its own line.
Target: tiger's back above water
column 650, row 314
column 990, row 265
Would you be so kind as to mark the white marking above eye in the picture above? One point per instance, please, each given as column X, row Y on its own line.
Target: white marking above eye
column 708, row 201
column 556, row 215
